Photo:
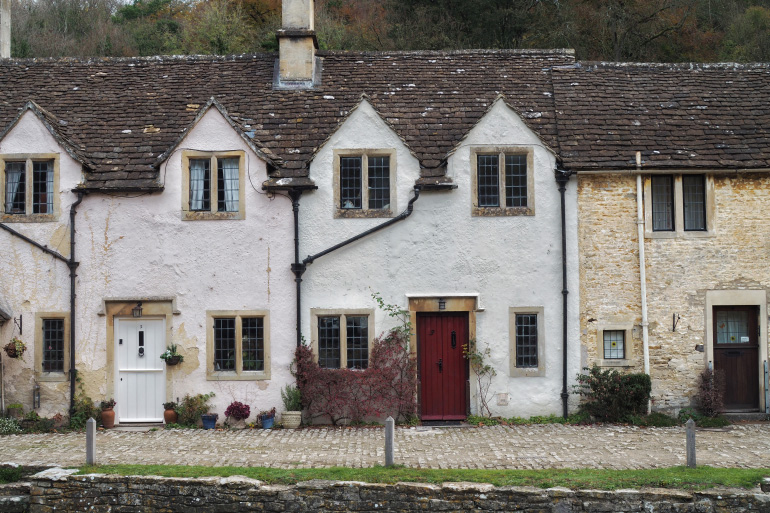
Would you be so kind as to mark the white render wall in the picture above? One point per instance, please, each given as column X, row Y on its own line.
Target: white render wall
column 441, row 249
column 134, row 246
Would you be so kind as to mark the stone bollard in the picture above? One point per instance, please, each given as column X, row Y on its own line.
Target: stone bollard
column 690, row 443
column 90, row 441
column 389, row 428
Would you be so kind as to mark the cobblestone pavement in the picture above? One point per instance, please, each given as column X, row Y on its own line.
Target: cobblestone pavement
column 498, row 447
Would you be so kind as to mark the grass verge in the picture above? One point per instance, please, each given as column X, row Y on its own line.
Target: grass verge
column 675, row 477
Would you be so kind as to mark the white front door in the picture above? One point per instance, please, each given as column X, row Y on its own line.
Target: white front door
column 141, row 374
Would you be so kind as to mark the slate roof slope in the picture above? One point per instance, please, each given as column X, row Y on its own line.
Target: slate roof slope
column 124, row 113
column 678, row 116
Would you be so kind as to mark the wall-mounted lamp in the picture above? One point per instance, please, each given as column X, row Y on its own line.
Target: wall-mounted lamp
column 441, row 303
column 36, row 397
column 137, row 310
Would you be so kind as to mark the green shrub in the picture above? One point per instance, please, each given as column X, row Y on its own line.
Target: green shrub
column 83, row 410
column 9, row 426
column 10, row 474
column 655, row 419
column 712, row 422
column 613, row 397
column 292, row 398
column 192, row 407
column 478, row 420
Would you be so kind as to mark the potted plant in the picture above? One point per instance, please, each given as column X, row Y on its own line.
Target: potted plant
column 170, row 415
column 238, row 411
column 15, row 348
column 171, row 356
column 267, row 418
column 16, row 410
column 209, row 420
column 292, row 402
column 108, row 413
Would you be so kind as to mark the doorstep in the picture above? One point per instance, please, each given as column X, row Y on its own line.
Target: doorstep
column 138, row 426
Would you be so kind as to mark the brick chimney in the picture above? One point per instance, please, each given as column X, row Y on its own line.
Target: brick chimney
column 5, row 29
column 297, row 44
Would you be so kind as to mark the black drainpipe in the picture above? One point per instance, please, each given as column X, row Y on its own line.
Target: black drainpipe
column 299, row 268
column 562, row 177
column 73, row 265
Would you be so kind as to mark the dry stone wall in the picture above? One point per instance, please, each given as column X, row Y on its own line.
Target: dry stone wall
column 680, row 270
column 100, row 493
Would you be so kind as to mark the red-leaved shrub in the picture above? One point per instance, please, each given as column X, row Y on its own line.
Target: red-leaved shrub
column 386, row 388
column 711, row 392
column 238, row 411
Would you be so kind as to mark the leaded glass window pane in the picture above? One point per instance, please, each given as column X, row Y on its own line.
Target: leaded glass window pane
column 42, row 187
column 227, row 185
column 488, row 181
column 357, row 342
column 526, row 340
column 614, row 344
column 200, row 184
column 379, row 182
column 15, row 188
column 350, row 182
column 329, row 342
column 662, row 203
column 694, row 201
column 53, row 345
column 732, row 327
column 253, row 344
column 516, row 180
column 224, row 344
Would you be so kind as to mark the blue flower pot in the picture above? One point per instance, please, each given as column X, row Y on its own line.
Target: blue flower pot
column 267, row 422
column 209, row 421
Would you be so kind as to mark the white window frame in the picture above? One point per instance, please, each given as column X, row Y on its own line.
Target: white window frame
column 679, row 231
column 315, row 313
column 213, row 213
column 238, row 374
column 364, row 211
column 28, row 159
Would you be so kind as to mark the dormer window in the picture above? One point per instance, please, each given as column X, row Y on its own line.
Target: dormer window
column 364, row 183
column 28, row 187
column 502, row 181
column 213, row 185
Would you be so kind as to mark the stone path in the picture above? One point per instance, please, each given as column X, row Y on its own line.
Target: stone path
column 498, row 447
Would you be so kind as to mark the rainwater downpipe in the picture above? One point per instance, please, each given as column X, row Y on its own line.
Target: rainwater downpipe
column 562, row 177
column 642, row 271
column 300, row 267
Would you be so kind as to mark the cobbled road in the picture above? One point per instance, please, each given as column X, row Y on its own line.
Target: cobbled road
column 498, row 447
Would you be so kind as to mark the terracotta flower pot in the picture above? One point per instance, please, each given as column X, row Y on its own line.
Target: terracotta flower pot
column 170, row 416
column 108, row 418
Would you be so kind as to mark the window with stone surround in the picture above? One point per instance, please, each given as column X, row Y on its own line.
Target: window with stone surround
column 213, row 185
column 679, row 206
column 527, row 341
column 28, row 185
column 502, row 181
column 364, row 183
column 614, row 345
column 238, row 345
column 52, row 346
column 342, row 339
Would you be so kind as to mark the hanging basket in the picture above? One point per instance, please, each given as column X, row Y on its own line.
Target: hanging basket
column 173, row 360
column 12, row 350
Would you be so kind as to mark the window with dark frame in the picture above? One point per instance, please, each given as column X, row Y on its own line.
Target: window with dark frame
column 694, row 202
column 200, row 185
column 379, row 182
column 357, row 342
column 614, row 344
column 662, row 203
column 224, row 344
column 515, row 180
column 42, row 187
column 227, row 184
column 329, row 342
column 252, row 344
column 18, row 188
column 53, row 345
column 511, row 182
column 488, row 180
column 15, row 188
column 351, row 171
column 526, row 341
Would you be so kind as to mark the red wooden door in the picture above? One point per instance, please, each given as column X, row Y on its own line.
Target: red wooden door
column 736, row 353
column 443, row 369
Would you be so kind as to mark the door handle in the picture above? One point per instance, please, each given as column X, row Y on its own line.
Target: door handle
column 734, row 353
column 440, row 363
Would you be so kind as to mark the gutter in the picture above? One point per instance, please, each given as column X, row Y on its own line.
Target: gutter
column 73, row 265
column 299, row 268
column 562, row 177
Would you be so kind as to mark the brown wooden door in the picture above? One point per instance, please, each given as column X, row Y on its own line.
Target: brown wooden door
column 443, row 369
column 736, row 353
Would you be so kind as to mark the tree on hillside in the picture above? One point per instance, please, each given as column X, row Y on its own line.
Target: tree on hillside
column 748, row 37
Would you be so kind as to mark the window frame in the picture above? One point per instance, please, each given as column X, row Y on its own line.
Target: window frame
column 238, row 374
column 213, row 213
column 514, row 370
column 343, row 314
column 628, row 345
column 679, row 230
column 40, row 374
column 28, row 216
column 501, row 152
column 364, row 154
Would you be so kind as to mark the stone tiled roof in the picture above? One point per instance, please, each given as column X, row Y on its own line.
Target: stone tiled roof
column 123, row 114
column 698, row 116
